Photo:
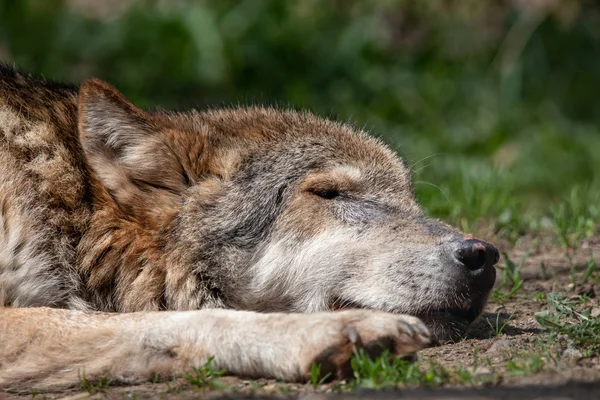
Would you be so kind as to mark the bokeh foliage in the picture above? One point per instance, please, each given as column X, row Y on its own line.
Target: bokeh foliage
column 494, row 102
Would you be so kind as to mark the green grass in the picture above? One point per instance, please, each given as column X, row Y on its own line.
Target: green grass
column 510, row 281
column 591, row 272
column 529, row 363
column 205, row 376
column 572, row 318
column 497, row 326
column 576, row 217
column 94, row 386
column 531, row 357
column 488, row 204
column 386, row 371
column 316, row 378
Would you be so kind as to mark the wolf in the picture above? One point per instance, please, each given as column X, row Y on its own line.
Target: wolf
column 137, row 244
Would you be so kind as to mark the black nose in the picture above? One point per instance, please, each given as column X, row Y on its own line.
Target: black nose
column 476, row 254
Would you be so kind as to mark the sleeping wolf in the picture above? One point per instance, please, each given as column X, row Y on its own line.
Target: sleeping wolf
column 117, row 223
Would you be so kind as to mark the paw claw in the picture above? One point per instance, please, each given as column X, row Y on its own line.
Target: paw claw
column 423, row 332
column 406, row 328
column 351, row 333
column 374, row 331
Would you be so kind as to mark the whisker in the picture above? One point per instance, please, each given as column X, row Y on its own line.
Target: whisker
column 422, row 168
column 422, row 159
column 435, row 186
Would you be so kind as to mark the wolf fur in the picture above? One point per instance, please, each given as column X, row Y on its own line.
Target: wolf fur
column 136, row 244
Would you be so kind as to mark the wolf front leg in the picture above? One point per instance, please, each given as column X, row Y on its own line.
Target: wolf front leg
column 45, row 349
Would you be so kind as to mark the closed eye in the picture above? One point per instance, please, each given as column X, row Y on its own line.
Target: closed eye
column 326, row 194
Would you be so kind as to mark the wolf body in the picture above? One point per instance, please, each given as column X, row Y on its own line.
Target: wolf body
column 136, row 244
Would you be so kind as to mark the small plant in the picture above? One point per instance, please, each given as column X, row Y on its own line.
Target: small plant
column 529, row 364
column 544, row 271
column 205, row 376
column 575, row 218
column 512, row 271
column 93, row 386
column 387, row 371
column 511, row 281
column 572, row 318
column 315, row 376
column 591, row 271
column 284, row 389
column 497, row 326
column 254, row 386
column 540, row 298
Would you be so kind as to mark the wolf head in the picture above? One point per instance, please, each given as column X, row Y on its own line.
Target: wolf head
column 268, row 210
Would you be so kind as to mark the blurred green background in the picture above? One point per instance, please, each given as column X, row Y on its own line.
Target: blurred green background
column 493, row 103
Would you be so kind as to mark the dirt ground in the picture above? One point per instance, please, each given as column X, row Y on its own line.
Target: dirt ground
column 564, row 371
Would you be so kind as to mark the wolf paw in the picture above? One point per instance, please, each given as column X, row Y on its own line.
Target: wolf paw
column 373, row 331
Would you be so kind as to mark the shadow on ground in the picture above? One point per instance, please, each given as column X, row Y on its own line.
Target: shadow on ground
column 572, row 390
column 484, row 327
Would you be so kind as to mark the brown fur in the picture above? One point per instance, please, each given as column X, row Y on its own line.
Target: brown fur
column 105, row 207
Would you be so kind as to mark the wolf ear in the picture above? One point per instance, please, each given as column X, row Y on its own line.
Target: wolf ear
column 126, row 148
